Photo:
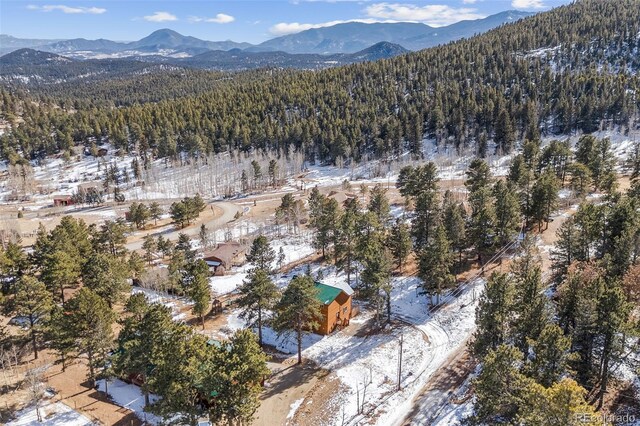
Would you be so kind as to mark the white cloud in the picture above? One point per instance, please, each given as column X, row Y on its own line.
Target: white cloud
column 284, row 28
column 68, row 9
column 161, row 17
column 469, row 1
column 220, row 18
column 528, row 4
column 435, row 15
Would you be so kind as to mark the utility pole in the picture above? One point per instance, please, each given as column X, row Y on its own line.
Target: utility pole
column 400, row 361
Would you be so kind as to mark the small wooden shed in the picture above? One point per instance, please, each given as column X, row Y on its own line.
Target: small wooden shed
column 64, row 200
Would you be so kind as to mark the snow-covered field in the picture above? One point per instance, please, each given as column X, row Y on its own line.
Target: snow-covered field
column 220, row 174
column 53, row 414
column 130, row 397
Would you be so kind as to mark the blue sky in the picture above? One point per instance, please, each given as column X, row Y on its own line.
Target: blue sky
column 239, row 20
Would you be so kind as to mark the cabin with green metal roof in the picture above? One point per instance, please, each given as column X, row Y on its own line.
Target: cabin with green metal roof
column 336, row 307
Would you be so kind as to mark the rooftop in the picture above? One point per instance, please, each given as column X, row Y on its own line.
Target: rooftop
column 327, row 293
column 226, row 251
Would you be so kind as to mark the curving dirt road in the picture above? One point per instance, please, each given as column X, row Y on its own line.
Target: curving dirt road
column 229, row 210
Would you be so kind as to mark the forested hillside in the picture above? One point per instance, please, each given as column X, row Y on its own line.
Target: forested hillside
column 570, row 69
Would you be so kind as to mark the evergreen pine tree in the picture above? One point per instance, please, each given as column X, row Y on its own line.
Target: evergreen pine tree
column 454, row 221
column 504, row 133
column 493, row 314
column 61, row 270
column 550, row 355
column 376, row 270
column 149, row 245
column 107, row 276
column 399, row 242
column 347, row 237
column 482, row 221
column 544, row 198
column 297, row 310
column 530, row 310
column 435, row 264
column 324, row 219
column 197, row 288
column 238, row 370
column 91, row 320
column 612, row 322
column 258, row 295
column 500, row 386
column 507, row 212
column 261, row 255
column 142, row 342
column 379, row 204
column 561, row 404
column 33, row 301
column 580, row 181
column 178, row 375
column 427, row 217
column 155, row 212
column 58, row 332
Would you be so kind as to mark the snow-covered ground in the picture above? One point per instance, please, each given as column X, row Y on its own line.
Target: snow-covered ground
column 227, row 283
column 294, row 407
column 451, row 165
column 130, row 397
column 171, row 302
column 293, row 247
column 63, row 178
column 221, row 173
column 454, row 415
column 53, row 414
column 428, row 340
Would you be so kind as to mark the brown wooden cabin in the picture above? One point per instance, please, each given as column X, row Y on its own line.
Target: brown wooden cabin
column 336, row 310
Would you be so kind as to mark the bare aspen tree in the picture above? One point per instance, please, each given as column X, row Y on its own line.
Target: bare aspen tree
column 34, row 379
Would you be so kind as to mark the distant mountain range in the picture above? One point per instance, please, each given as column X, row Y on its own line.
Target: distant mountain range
column 37, row 67
column 348, row 38
column 354, row 36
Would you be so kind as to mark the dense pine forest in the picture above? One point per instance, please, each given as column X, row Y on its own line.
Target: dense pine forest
column 571, row 69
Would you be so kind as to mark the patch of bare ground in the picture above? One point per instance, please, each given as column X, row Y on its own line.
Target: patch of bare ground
column 71, row 388
column 290, row 383
column 74, row 390
column 319, row 401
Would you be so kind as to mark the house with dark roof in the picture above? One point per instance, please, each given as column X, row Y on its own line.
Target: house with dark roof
column 225, row 256
column 336, row 310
